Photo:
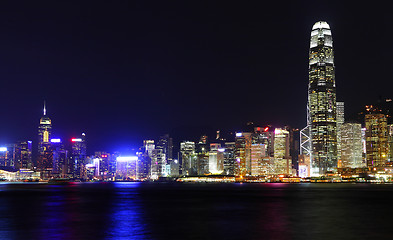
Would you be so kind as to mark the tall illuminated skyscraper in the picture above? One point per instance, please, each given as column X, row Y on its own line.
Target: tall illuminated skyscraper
column 44, row 162
column 321, row 108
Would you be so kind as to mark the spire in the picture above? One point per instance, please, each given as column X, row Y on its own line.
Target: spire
column 44, row 108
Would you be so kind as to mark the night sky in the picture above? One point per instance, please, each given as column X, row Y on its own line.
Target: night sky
column 124, row 71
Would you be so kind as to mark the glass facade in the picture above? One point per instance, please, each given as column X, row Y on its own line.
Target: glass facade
column 376, row 140
column 322, row 115
column 44, row 161
column 351, row 145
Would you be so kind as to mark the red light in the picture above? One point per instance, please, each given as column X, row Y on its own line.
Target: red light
column 104, row 156
column 258, row 129
column 266, row 129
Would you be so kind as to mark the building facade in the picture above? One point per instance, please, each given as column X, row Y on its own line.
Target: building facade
column 351, row 146
column 44, row 158
column 322, row 113
column 377, row 148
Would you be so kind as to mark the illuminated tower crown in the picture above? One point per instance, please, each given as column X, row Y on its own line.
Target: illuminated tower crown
column 44, row 131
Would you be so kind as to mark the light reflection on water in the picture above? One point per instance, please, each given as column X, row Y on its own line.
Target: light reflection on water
column 125, row 218
column 194, row 211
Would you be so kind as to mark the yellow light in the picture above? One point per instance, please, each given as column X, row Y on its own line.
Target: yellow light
column 46, row 136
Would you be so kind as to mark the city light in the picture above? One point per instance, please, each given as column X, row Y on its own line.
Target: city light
column 90, row 165
column 76, row 140
column 55, row 140
column 239, row 134
column 3, row 149
column 126, row 159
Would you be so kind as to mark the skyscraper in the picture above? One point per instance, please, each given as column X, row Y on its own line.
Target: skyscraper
column 78, row 156
column 229, row 158
column 187, row 153
column 59, row 156
column 282, row 159
column 243, row 143
column 166, row 144
column 321, row 108
column 44, row 163
column 216, row 158
column 376, row 139
column 257, row 154
column 340, row 121
column 23, row 155
column 351, row 145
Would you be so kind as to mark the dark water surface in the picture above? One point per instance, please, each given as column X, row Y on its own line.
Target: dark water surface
column 195, row 211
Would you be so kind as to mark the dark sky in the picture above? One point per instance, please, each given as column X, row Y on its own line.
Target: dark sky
column 127, row 71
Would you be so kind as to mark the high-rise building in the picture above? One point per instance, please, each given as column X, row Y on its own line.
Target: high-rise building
column 321, row 108
column 264, row 136
column 45, row 160
column 23, row 155
column 158, row 164
column 294, row 147
column 351, row 145
column 282, row 159
column 340, row 122
column 200, row 162
column 390, row 142
column 166, row 144
column 104, row 164
column 60, row 158
column 187, row 155
column 257, row 158
column 145, row 160
column 203, row 145
column 229, row 158
column 126, row 168
column 6, row 156
column 376, row 140
column 78, row 156
column 243, row 144
column 216, row 158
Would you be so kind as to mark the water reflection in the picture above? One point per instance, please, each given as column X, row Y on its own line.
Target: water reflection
column 125, row 220
column 194, row 211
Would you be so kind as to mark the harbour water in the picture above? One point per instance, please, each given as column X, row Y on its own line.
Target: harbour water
column 195, row 211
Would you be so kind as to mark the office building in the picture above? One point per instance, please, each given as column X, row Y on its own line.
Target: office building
column 23, row 155
column 282, row 158
column 60, row 158
column 321, row 108
column 187, row 156
column 243, row 142
column 216, row 158
column 77, row 158
column 377, row 148
column 351, row 145
column 44, row 158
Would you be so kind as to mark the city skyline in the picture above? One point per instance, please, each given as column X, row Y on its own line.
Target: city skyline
column 132, row 76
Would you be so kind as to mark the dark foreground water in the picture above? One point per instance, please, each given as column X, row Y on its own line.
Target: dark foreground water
column 195, row 211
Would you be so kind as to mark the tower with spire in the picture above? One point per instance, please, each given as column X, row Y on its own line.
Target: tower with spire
column 44, row 161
